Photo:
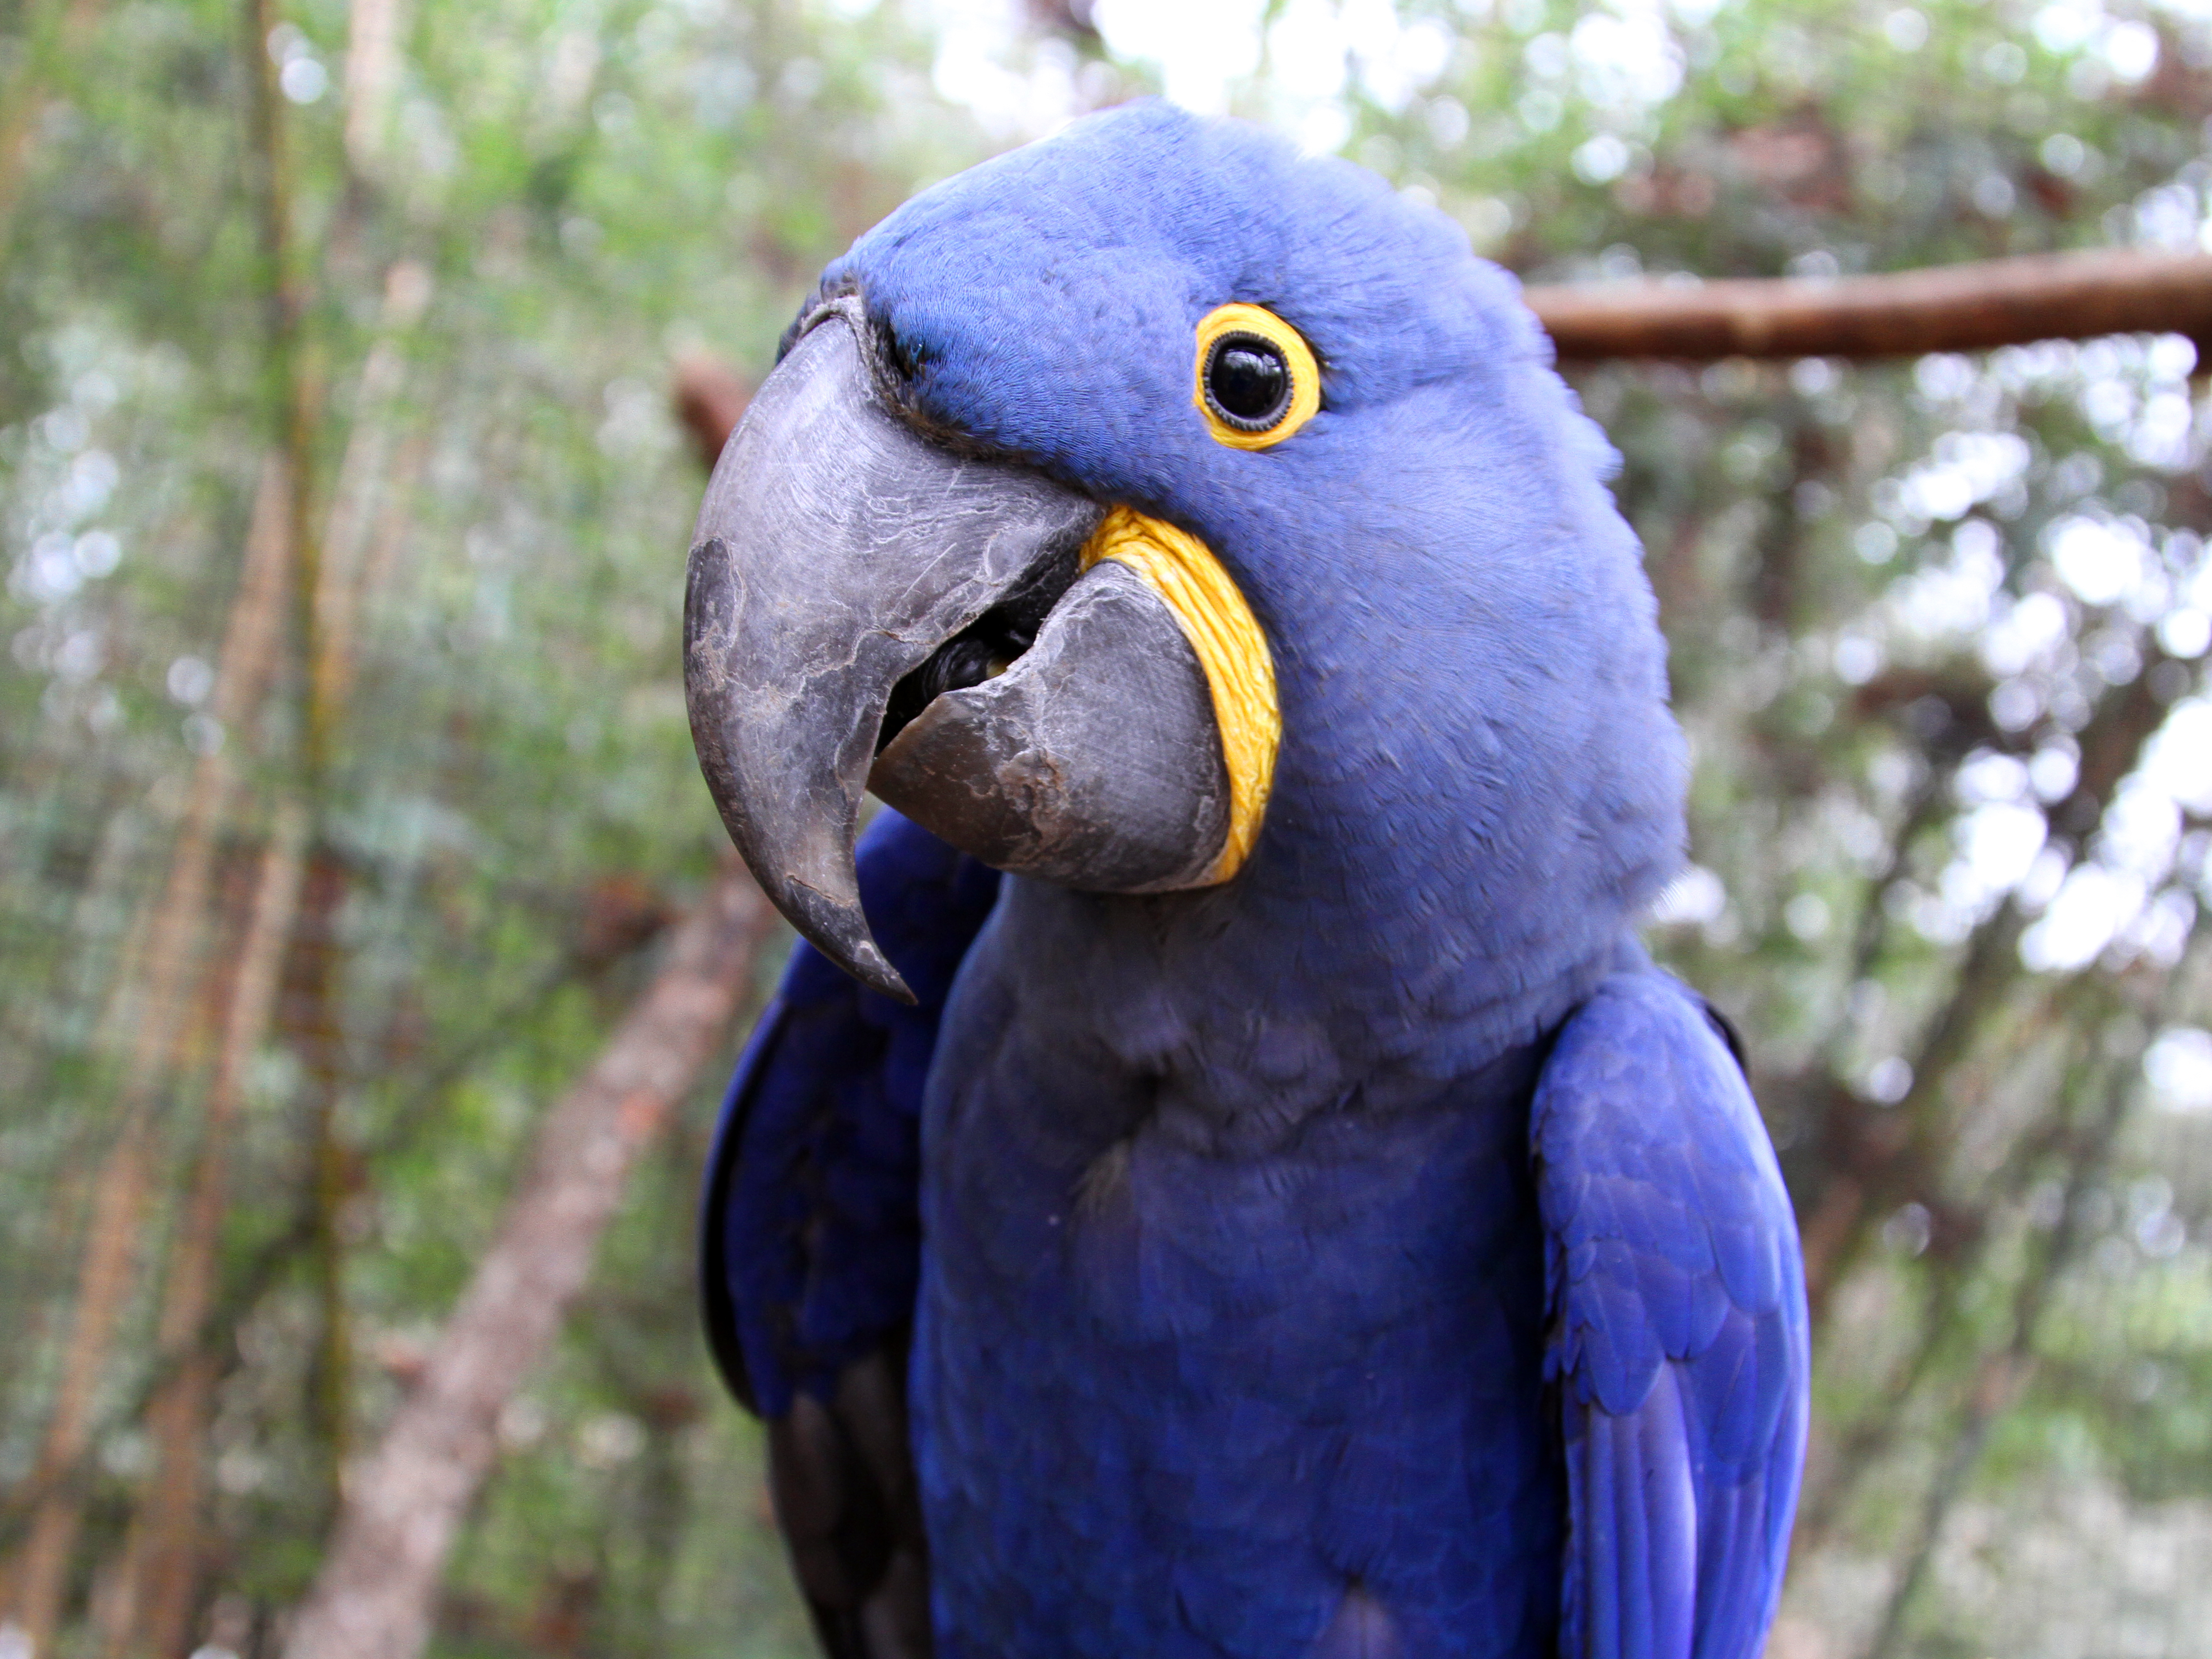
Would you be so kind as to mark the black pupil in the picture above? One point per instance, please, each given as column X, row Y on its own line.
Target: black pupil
column 1249, row 379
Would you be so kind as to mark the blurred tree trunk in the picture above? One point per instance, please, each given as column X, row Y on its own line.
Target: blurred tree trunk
column 157, row 992
column 161, row 1556
column 57, row 30
column 376, row 1595
column 373, row 29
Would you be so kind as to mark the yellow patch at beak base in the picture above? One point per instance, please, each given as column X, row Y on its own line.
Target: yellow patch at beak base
column 1231, row 648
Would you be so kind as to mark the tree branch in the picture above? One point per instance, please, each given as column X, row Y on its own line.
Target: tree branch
column 1962, row 307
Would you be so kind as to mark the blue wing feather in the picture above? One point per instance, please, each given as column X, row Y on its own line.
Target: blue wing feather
column 809, row 1233
column 811, row 1241
column 1680, row 1337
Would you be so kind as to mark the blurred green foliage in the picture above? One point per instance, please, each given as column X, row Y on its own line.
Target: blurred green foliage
column 578, row 192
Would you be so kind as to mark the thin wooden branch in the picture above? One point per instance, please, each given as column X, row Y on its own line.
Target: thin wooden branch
column 154, row 1600
column 1962, row 307
column 405, row 1501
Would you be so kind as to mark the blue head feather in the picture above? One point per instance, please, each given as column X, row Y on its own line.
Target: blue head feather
column 1479, row 779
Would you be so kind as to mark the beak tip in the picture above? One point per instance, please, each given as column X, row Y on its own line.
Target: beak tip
column 875, row 970
column 838, row 928
column 892, row 986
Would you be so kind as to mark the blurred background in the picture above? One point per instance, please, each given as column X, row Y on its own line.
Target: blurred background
column 348, row 810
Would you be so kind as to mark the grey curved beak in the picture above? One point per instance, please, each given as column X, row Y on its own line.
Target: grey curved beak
column 836, row 551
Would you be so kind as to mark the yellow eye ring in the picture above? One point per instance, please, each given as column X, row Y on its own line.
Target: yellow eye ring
column 1254, row 379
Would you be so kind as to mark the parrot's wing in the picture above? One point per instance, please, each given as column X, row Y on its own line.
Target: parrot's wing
column 810, row 1240
column 1678, row 1340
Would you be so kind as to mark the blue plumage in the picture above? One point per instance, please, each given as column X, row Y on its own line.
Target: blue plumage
column 1373, row 1255
column 1678, row 1303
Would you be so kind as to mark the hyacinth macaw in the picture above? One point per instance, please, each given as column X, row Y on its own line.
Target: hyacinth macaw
column 1221, row 1176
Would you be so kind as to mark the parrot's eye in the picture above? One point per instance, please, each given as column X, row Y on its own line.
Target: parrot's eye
column 1247, row 383
column 1257, row 380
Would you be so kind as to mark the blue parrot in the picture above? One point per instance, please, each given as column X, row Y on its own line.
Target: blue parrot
column 1220, row 1176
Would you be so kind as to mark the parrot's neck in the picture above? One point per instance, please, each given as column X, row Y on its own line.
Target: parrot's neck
column 1380, row 934
column 1408, row 943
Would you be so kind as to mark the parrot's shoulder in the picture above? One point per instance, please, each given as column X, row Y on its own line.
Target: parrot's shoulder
column 1658, row 1183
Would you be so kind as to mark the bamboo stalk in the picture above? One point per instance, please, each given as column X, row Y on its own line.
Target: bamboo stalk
column 332, row 596
column 319, row 1036
column 294, row 407
column 357, row 561
column 376, row 1597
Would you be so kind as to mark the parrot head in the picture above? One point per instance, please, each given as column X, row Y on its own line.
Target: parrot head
column 1155, row 510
